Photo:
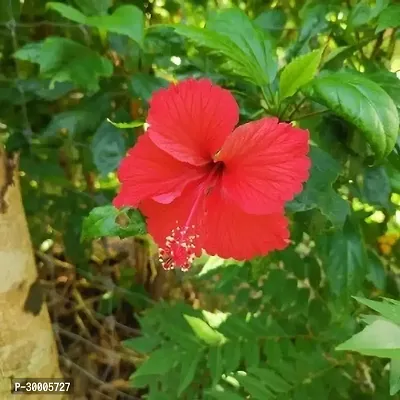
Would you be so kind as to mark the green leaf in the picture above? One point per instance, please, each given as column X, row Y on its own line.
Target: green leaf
column 30, row 52
column 232, row 34
column 125, row 20
column 298, row 73
column 108, row 147
column 68, row 12
column 94, row 7
column 386, row 308
column 101, row 222
column 251, row 351
column 126, row 125
column 144, row 85
column 376, row 188
column 389, row 82
column 272, row 21
column 394, row 376
column 63, row 60
column 190, row 363
column 380, row 339
column 271, row 379
column 318, row 191
column 143, row 344
column 232, row 353
column 236, row 26
column 160, row 362
column 204, row 331
column 376, row 274
column 215, row 364
column 255, row 387
column 344, row 257
column 225, row 395
column 363, row 103
column 389, row 18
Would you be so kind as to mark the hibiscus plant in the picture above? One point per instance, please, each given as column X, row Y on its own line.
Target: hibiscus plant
column 251, row 149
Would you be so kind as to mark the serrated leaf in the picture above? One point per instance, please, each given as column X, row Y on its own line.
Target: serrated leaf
column 101, row 222
column 380, row 339
column 190, row 363
column 389, row 18
column 63, row 60
column 126, row 125
column 344, row 258
column 298, row 73
column 247, row 50
column 236, row 26
column 389, row 310
column 363, row 103
column 254, row 387
column 204, row 331
column 318, row 191
column 394, row 376
column 108, row 148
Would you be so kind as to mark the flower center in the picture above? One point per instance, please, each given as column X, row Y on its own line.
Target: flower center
column 179, row 249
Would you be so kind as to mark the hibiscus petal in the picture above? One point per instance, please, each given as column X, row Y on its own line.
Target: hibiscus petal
column 162, row 219
column 230, row 232
column 192, row 119
column 265, row 165
column 147, row 171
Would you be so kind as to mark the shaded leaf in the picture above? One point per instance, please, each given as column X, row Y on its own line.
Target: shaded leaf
column 63, row 60
column 344, row 256
column 318, row 191
column 254, row 387
column 190, row 363
column 394, row 376
column 389, row 18
column 363, row 103
column 376, row 274
column 125, row 20
column 376, row 187
column 108, row 147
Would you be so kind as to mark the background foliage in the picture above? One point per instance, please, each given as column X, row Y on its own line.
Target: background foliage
column 268, row 328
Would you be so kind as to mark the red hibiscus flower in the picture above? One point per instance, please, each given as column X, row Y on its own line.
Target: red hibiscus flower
column 202, row 184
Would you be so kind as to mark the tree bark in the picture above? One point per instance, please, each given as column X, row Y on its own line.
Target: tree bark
column 27, row 346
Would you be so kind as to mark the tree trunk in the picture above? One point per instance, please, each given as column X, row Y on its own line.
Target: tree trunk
column 27, row 346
